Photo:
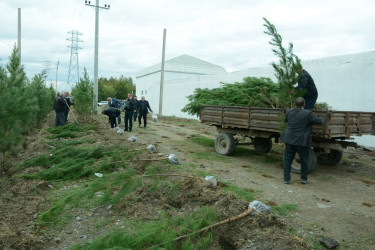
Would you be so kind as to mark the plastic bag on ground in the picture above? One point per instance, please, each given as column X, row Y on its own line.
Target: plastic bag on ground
column 151, row 148
column 99, row 175
column 132, row 138
column 117, row 128
column 154, row 117
column 172, row 158
column 120, row 132
column 260, row 207
column 211, row 179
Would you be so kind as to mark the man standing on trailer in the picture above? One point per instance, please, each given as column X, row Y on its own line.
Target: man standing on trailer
column 306, row 82
column 297, row 137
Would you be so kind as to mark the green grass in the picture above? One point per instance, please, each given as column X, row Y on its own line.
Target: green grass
column 202, row 140
column 240, row 192
column 161, row 231
column 285, row 209
column 69, row 131
column 124, row 182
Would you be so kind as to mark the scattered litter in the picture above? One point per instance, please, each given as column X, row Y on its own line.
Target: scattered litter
column 329, row 243
column 117, row 128
column 211, row 179
column 151, row 148
column 50, row 155
column 120, row 131
column 99, row 194
column 260, row 207
column 290, row 191
column 132, row 138
column 172, row 158
column 154, row 117
column 99, row 175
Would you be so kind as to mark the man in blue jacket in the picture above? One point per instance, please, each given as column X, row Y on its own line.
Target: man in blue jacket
column 297, row 137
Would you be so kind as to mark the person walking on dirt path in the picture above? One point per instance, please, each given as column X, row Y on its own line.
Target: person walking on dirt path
column 306, row 82
column 67, row 107
column 129, row 111
column 144, row 106
column 136, row 108
column 112, row 113
column 297, row 137
column 60, row 107
column 116, row 103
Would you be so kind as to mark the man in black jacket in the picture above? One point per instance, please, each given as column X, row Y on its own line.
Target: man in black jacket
column 59, row 107
column 136, row 108
column 297, row 137
column 67, row 107
column 144, row 106
column 112, row 113
column 306, row 82
column 129, row 111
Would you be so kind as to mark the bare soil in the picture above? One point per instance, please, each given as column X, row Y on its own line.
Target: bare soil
column 338, row 202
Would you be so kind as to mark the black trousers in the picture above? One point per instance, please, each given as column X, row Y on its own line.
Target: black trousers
column 129, row 120
column 289, row 154
column 144, row 115
column 113, row 121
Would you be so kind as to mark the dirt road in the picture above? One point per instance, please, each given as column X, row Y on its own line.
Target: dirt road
column 338, row 202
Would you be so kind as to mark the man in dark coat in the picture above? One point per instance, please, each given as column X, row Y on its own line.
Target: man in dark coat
column 144, row 106
column 297, row 137
column 136, row 108
column 116, row 103
column 112, row 113
column 60, row 107
column 306, row 82
column 67, row 107
column 129, row 111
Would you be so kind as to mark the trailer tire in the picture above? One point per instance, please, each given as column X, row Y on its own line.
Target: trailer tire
column 262, row 145
column 224, row 144
column 330, row 159
column 296, row 164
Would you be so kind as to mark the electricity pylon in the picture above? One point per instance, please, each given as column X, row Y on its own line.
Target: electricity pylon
column 73, row 76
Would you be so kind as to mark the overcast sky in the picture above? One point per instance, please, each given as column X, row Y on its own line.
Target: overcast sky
column 228, row 33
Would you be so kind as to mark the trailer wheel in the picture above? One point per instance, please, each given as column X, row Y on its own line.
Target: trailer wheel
column 262, row 145
column 224, row 144
column 331, row 158
column 296, row 164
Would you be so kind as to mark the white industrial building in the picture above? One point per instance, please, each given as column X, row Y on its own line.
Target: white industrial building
column 345, row 82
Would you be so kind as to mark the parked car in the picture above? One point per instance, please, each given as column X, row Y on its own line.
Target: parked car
column 100, row 104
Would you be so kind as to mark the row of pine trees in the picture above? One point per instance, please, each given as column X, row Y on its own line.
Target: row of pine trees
column 24, row 104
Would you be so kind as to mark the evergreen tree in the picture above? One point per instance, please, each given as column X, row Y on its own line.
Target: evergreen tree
column 11, row 91
column 83, row 94
column 287, row 69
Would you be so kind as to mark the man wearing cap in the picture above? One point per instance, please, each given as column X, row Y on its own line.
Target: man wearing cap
column 129, row 112
column 297, row 137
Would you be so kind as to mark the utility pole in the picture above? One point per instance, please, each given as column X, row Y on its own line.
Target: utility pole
column 96, row 57
column 162, row 75
column 19, row 33
column 73, row 75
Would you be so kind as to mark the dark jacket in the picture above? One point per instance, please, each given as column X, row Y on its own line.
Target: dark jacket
column 298, row 131
column 129, row 105
column 112, row 112
column 144, row 106
column 60, row 104
column 306, row 82
column 136, row 105
column 68, row 102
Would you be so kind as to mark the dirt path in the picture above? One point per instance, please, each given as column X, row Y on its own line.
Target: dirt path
column 338, row 202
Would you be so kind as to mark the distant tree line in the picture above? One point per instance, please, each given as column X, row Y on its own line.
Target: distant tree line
column 115, row 87
column 24, row 104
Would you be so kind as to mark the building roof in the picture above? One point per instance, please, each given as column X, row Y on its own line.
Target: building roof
column 184, row 64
